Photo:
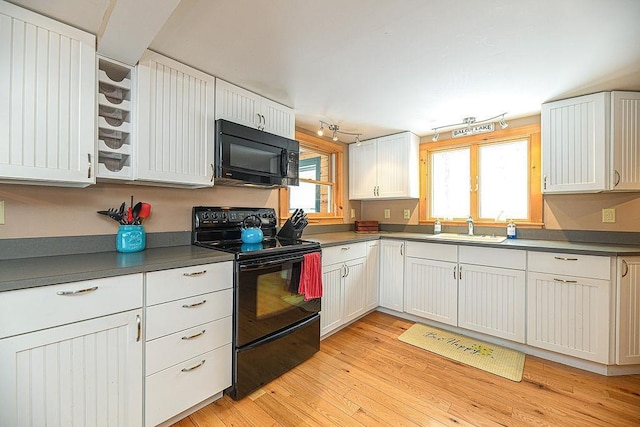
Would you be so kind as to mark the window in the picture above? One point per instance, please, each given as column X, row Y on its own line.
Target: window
column 492, row 179
column 320, row 191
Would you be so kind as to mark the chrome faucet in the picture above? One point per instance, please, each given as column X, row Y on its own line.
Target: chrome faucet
column 470, row 224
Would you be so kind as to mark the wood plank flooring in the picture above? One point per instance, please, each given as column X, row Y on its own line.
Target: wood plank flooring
column 364, row 376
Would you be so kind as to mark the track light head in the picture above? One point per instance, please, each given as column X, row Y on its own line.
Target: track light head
column 335, row 135
column 435, row 136
column 321, row 130
column 503, row 124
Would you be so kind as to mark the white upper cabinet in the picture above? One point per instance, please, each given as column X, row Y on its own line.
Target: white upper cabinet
column 625, row 141
column 385, row 168
column 590, row 143
column 175, row 123
column 241, row 106
column 47, row 106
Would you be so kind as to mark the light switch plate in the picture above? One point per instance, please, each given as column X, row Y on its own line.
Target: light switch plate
column 608, row 215
column 1, row 212
column 407, row 214
column 387, row 213
column 353, row 213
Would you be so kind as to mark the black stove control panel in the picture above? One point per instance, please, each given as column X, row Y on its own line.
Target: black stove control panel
column 208, row 217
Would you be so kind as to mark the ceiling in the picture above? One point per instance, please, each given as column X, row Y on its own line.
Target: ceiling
column 384, row 66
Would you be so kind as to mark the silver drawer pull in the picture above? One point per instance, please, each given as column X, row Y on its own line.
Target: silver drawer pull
column 561, row 258
column 565, row 281
column 345, row 248
column 194, row 305
column 79, row 291
column 193, row 367
column 196, row 273
column 194, row 336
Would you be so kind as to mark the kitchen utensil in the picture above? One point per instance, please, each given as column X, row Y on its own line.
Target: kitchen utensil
column 135, row 212
column 145, row 211
column 111, row 213
column 251, row 231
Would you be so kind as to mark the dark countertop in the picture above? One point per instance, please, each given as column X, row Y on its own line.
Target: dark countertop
column 31, row 272
column 25, row 273
column 335, row 239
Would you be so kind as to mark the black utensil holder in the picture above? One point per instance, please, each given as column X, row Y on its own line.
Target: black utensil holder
column 289, row 232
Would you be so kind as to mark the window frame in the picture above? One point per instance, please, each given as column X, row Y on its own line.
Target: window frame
column 531, row 133
column 324, row 147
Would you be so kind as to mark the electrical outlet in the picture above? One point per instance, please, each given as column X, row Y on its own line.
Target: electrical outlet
column 387, row 213
column 407, row 214
column 608, row 215
column 353, row 213
column 1, row 212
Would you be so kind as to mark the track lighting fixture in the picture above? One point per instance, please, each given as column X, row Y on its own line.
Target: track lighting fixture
column 471, row 126
column 335, row 129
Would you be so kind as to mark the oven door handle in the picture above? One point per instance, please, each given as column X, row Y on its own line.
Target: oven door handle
column 284, row 163
column 262, row 265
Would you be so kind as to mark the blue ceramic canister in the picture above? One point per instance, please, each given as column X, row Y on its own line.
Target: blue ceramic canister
column 130, row 238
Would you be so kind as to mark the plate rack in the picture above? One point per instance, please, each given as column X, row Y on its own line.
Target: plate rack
column 115, row 107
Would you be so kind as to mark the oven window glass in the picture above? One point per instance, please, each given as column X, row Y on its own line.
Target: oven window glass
column 268, row 300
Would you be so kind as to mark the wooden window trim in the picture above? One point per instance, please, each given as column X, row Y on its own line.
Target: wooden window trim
column 530, row 132
column 326, row 147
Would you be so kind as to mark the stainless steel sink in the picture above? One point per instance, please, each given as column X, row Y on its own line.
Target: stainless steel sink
column 467, row 238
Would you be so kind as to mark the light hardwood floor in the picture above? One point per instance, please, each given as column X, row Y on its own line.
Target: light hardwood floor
column 364, row 376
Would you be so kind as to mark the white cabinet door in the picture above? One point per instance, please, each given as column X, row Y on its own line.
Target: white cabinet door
column 397, row 172
column 362, row 170
column 372, row 275
column 432, row 290
column 625, row 140
column 331, row 314
column 385, row 168
column 239, row 105
column 84, row 373
column 355, row 295
column 278, row 119
column 628, row 314
column 492, row 301
column 575, row 143
column 392, row 274
column 47, row 107
column 175, row 123
column 569, row 315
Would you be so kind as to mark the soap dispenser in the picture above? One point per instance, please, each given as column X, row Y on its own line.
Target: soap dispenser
column 511, row 230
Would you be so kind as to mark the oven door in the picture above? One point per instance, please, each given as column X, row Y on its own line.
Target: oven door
column 267, row 299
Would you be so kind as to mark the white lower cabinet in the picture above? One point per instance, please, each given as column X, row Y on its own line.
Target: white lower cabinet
column 372, row 273
column 84, row 372
column 392, row 274
column 568, row 304
column 344, row 292
column 491, row 291
column 628, row 314
column 188, row 338
column 431, row 288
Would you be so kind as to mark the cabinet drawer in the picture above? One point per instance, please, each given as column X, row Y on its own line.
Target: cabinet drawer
column 32, row 309
column 342, row 253
column 174, row 316
column 167, row 351
column 493, row 257
column 181, row 386
column 597, row 267
column 173, row 284
column 436, row 251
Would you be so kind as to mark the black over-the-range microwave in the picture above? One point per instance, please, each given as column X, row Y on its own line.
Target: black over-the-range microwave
column 245, row 155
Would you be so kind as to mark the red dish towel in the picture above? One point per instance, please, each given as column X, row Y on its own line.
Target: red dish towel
column 311, row 277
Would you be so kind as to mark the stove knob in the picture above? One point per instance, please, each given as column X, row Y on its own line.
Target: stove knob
column 204, row 215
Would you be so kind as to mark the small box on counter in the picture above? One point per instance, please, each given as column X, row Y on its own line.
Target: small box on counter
column 367, row 226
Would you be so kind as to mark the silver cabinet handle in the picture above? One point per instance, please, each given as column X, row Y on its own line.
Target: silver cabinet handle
column 79, row 291
column 460, row 273
column 89, row 169
column 213, row 172
column 626, row 268
column 345, row 248
column 617, row 179
column 565, row 281
column 544, row 183
column 454, row 271
column 561, row 258
column 195, row 273
column 139, row 324
column 193, row 367
column 348, row 270
column 343, row 270
column 402, row 249
column 194, row 305
column 194, row 336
